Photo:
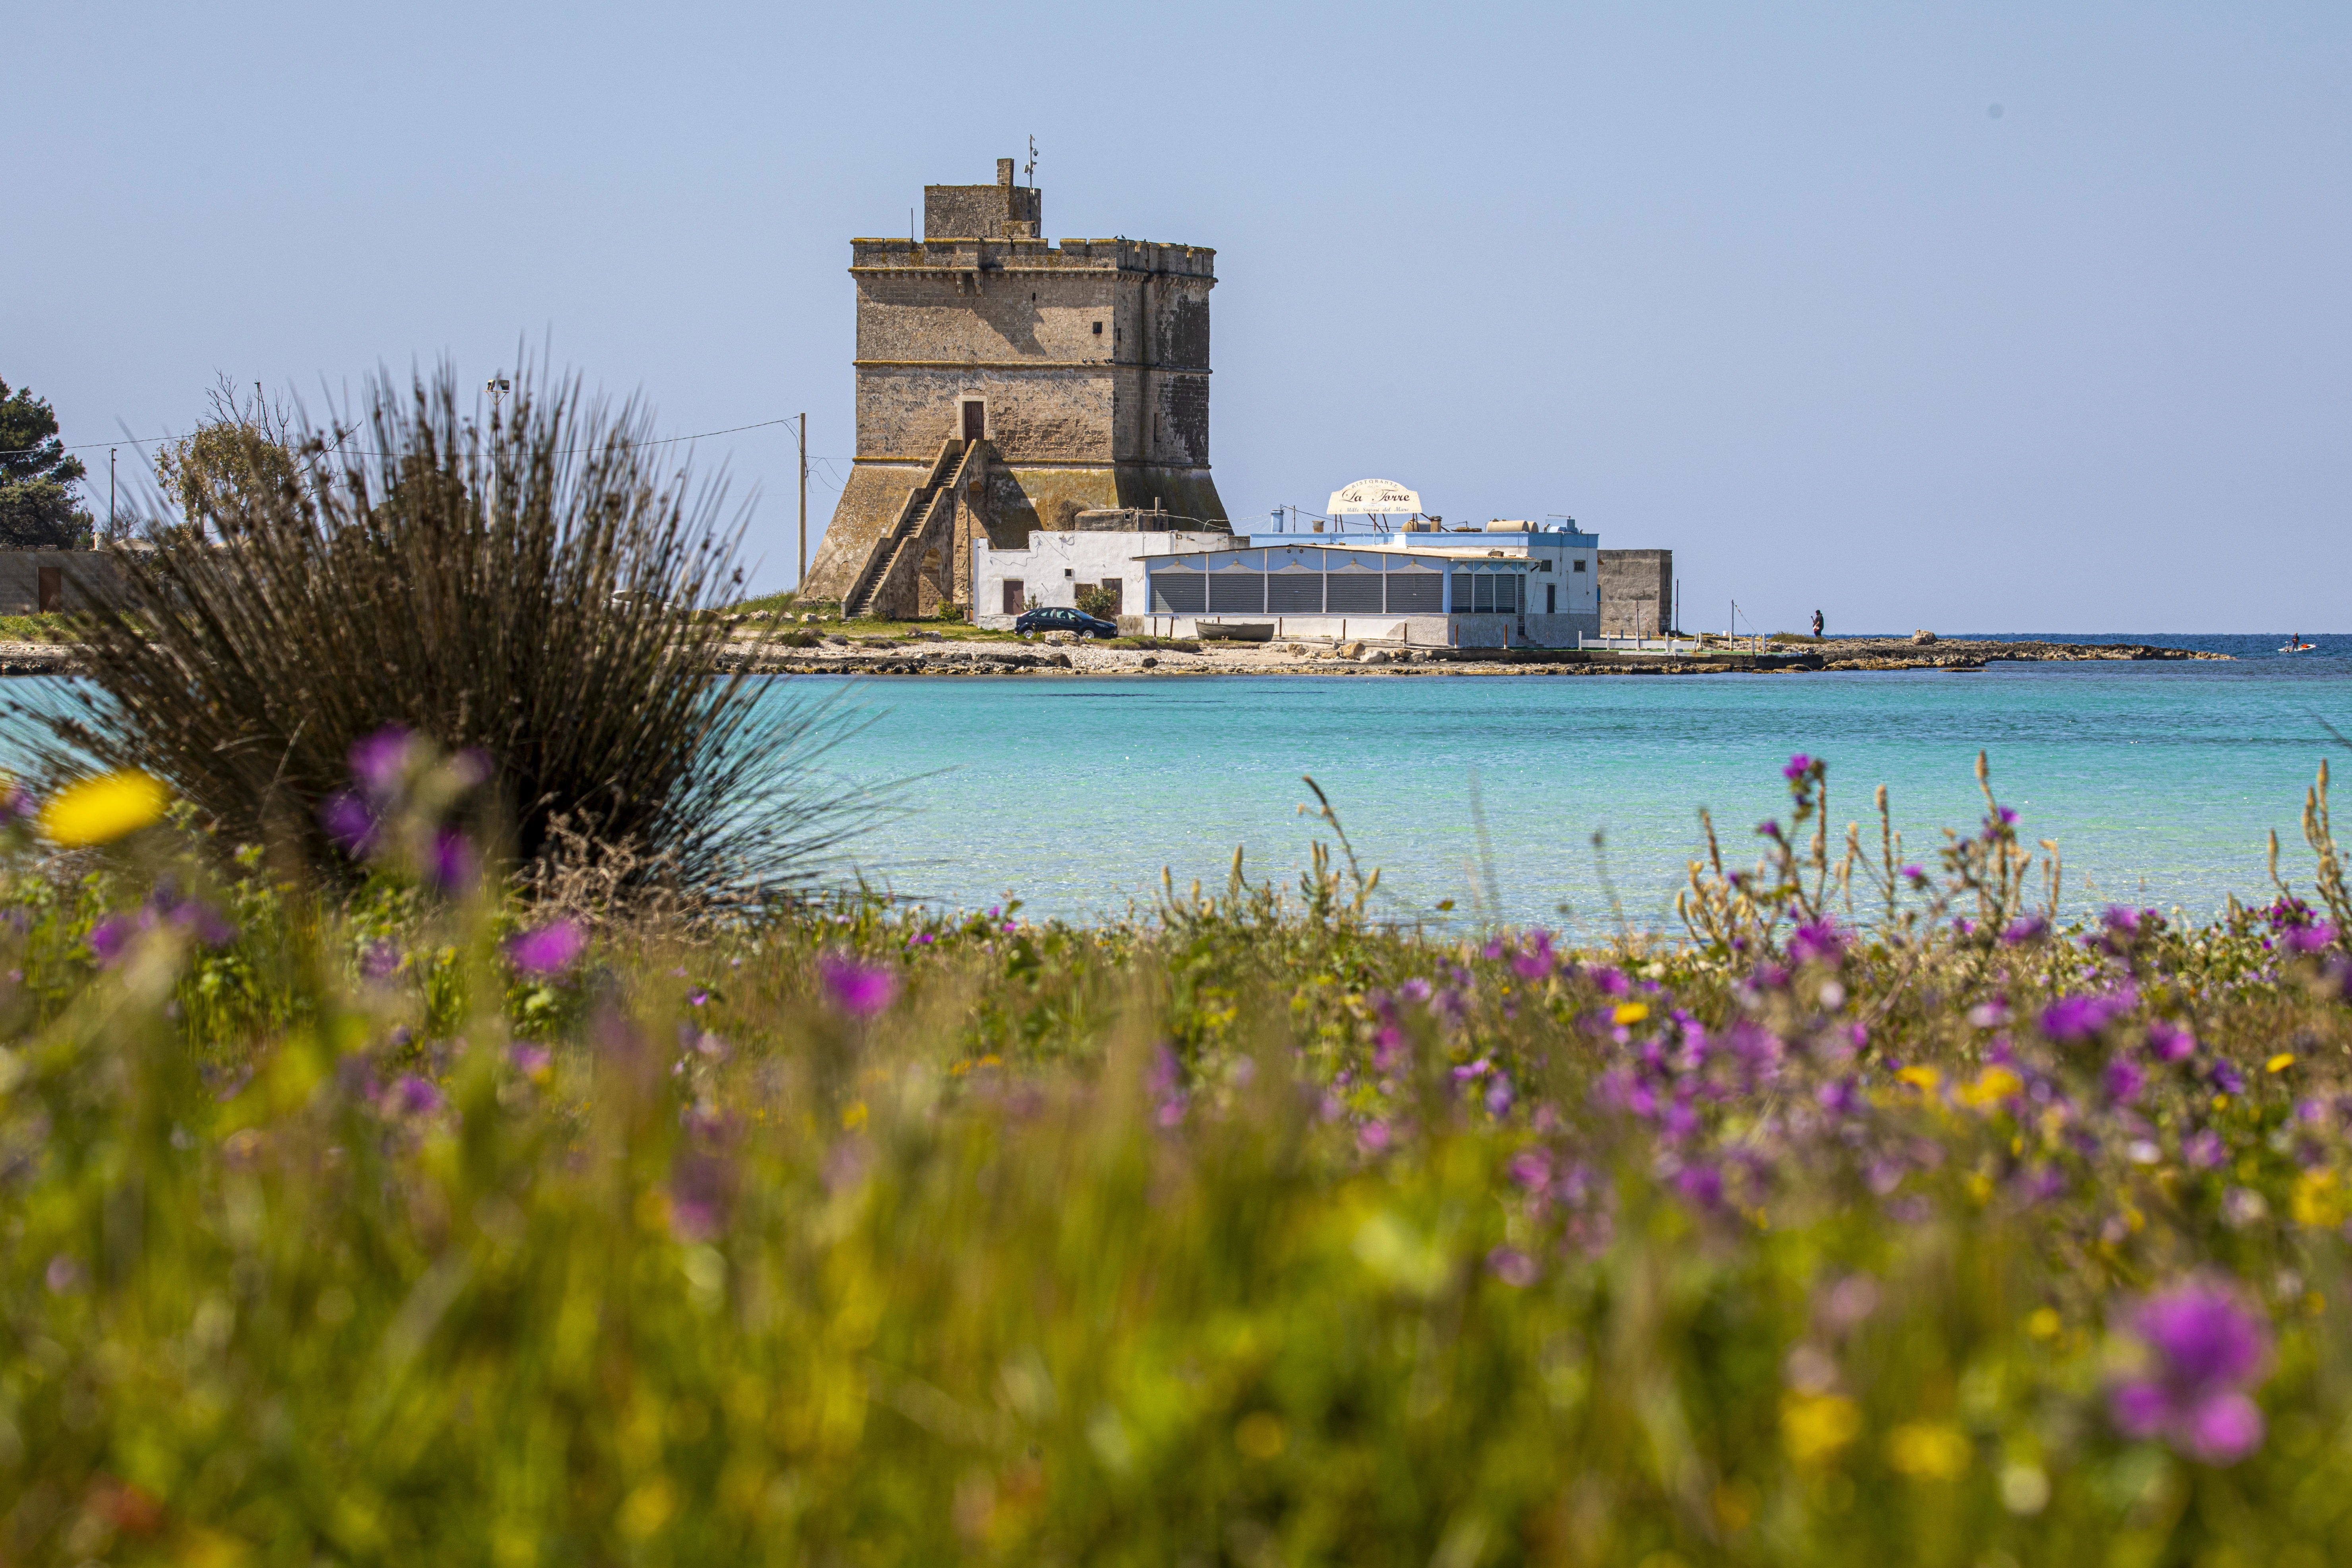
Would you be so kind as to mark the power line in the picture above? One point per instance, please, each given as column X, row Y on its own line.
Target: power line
column 361, row 452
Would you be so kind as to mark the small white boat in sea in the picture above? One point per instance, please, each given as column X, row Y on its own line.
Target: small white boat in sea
column 2295, row 644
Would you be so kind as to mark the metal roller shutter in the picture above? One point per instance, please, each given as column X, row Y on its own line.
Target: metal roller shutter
column 1415, row 591
column 1294, row 593
column 1179, row 593
column 1237, row 591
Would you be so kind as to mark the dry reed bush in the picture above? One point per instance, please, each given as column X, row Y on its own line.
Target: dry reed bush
column 533, row 588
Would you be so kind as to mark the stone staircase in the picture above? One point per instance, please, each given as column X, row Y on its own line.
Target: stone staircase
column 903, row 544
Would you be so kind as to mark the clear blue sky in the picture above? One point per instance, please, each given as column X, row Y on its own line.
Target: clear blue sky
column 1774, row 286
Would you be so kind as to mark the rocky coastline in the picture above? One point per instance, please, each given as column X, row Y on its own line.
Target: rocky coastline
column 936, row 654
column 933, row 653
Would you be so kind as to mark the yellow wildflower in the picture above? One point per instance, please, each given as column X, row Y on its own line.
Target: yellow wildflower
column 1814, row 1427
column 854, row 1116
column 2043, row 1324
column 1929, row 1450
column 102, row 809
column 1631, row 1012
column 2280, row 1062
column 1992, row 1087
column 2319, row 1200
column 1924, row 1080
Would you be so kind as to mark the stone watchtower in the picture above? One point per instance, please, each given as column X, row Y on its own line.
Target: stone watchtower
column 1006, row 384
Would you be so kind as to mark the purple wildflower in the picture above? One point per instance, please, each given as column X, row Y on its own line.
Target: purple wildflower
column 1415, row 990
column 2169, row 1042
column 857, row 989
column 64, row 1274
column 2208, row 1347
column 1531, row 1169
column 2308, row 939
column 2030, row 928
column 1498, row 1095
column 549, row 949
column 204, row 921
column 1373, row 1137
column 1535, row 961
column 2202, row 1148
column 379, row 761
column 2075, row 1019
column 1798, row 766
column 109, row 939
column 2226, row 1077
column 349, row 822
column 1701, row 1184
column 379, row 961
column 414, row 1096
column 2123, row 1079
column 1915, row 875
column 531, row 1061
column 451, row 868
column 1512, row 1266
column 1818, row 942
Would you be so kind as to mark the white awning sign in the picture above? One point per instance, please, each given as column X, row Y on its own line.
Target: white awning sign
column 1366, row 497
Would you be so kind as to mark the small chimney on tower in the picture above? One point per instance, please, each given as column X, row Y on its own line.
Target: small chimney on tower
column 1004, row 171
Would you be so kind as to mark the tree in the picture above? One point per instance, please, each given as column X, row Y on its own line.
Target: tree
column 37, row 478
column 244, row 457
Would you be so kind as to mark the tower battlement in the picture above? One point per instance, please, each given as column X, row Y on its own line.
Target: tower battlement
column 1044, row 380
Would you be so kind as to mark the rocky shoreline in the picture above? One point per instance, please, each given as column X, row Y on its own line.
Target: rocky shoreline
column 935, row 654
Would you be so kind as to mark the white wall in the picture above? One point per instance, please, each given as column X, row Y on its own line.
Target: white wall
column 1056, row 564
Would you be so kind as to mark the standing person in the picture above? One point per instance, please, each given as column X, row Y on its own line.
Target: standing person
column 1817, row 625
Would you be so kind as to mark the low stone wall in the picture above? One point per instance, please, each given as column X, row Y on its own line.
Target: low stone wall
column 37, row 581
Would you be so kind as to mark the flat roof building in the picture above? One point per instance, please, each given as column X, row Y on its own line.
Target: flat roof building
column 1516, row 584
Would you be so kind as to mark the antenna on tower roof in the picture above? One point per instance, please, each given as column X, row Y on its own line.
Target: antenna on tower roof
column 1029, row 170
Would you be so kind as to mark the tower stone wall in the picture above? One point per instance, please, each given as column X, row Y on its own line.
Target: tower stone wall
column 1084, row 368
column 1637, row 593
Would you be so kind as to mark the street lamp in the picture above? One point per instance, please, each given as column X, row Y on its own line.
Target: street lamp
column 498, row 387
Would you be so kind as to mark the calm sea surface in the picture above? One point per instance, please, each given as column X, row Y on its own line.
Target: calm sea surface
column 2159, row 781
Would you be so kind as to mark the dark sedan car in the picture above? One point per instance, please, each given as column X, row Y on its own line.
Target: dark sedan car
column 1058, row 619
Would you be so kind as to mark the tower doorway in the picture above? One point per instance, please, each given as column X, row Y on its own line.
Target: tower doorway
column 975, row 419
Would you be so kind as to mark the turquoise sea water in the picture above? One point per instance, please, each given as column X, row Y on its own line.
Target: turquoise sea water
column 2159, row 781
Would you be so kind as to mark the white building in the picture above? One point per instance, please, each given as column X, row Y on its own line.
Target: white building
column 1058, row 563
column 1506, row 585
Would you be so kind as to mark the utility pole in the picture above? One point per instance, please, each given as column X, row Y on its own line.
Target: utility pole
column 498, row 387
column 801, row 581
column 109, row 493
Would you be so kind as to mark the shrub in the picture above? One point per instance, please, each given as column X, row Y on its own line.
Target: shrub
column 534, row 589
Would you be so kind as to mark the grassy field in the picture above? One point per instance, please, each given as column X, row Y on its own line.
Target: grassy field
column 1873, row 1219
